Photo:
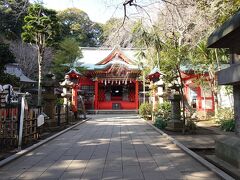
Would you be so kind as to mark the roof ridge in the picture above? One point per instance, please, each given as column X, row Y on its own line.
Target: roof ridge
column 109, row 48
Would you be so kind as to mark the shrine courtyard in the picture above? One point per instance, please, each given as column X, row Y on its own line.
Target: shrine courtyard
column 108, row 147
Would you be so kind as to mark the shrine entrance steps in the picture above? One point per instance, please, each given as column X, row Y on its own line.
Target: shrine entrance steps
column 108, row 111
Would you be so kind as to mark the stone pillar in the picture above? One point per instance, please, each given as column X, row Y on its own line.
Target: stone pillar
column 49, row 99
column 96, row 95
column 49, row 108
column 175, row 124
column 236, row 95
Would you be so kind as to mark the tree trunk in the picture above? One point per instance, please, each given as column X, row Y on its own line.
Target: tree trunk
column 40, row 52
column 182, row 95
column 144, row 95
column 39, row 78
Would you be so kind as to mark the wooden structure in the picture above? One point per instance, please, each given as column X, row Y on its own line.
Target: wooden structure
column 156, row 86
column 71, row 91
column 200, row 97
column 9, row 125
column 111, row 83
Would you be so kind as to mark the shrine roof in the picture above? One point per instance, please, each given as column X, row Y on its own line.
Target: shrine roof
column 155, row 70
column 96, row 58
column 14, row 69
column 227, row 35
column 73, row 71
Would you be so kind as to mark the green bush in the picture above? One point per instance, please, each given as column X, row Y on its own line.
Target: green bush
column 226, row 119
column 160, row 123
column 145, row 110
column 163, row 110
column 190, row 125
column 225, row 113
column 227, row 125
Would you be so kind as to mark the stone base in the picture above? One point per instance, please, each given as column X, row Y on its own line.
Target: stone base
column 228, row 168
column 228, row 149
column 174, row 126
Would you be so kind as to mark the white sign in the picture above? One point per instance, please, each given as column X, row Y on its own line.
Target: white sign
column 40, row 120
column 21, row 123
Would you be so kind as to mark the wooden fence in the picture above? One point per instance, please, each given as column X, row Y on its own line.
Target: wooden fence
column 9, row 122
column 9, row 125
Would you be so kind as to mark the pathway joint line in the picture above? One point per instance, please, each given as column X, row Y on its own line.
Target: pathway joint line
column 204, row 162
column 34, row 146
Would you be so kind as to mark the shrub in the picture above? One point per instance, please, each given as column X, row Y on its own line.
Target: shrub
column 191, row 126
column 160, row 123
column 145, row 110
column 225, row 113
column 226, row 119
column 163, row 110
column 227, row 125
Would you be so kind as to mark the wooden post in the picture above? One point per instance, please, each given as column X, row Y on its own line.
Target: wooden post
column 74, row 99
column 136, row 93
column 96, row 95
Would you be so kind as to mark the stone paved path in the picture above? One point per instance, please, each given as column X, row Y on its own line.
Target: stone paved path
column 108, row 147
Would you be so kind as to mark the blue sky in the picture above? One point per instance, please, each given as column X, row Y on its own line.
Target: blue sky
column 97, row 10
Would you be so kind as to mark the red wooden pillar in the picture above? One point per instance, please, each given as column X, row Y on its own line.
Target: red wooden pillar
column 136, row 94
column 213, row 102
column 96, row 95
column 199, row 98
column 74, row 99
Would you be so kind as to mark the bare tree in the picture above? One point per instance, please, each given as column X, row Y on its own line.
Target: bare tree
column 26, row 57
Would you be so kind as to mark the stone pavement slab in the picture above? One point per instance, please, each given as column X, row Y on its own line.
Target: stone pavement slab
column 108, row 147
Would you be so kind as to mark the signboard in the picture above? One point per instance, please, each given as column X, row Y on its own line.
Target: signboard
column 40, row 120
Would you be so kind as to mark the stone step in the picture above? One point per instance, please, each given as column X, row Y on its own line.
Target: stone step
column 112, row 111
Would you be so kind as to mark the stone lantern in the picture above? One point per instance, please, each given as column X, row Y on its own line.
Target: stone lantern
column 70, row 89
column 50, row 98
column 156, row 86
column 175, row 123
column 67, row 87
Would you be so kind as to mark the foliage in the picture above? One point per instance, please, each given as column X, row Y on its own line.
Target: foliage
column 116, row 33
column 12, row 13
column 65, row 56
column 41, row 25
column 219, row 10
column 145, row 110
column 160, row 122
column 76, row 24
column 60, row 101
column 6, row 56
column 41, row 28
column 149, row 39
column 10, row 79
column 163, row 110
column 226, row 119
column 225, row 113
column 190, row 125
column 227, row 125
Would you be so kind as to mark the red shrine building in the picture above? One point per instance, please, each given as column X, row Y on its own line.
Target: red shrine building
column 200, row 97
column 110, row 80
